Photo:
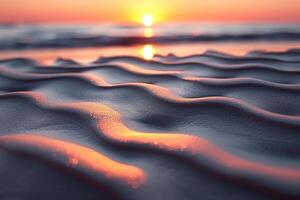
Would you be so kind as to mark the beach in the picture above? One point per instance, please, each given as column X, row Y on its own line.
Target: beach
column 150, row 113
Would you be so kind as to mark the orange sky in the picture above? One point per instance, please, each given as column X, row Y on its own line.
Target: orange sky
column 163, row 10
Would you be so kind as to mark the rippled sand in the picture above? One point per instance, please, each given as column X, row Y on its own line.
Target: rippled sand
column 207, row 126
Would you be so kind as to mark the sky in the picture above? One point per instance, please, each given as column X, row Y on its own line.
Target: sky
column 131, row 11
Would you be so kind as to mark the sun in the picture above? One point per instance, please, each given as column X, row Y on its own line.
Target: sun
column 148, row 20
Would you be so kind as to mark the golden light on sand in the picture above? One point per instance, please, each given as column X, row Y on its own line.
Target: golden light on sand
column 148, row 20
column 148, row 52
column 111, row 124
column 77, row 157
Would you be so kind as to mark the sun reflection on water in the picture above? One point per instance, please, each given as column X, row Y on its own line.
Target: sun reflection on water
column 148, row 51
column 148, row 32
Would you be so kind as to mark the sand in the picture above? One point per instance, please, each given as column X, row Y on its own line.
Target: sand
column 202, row 126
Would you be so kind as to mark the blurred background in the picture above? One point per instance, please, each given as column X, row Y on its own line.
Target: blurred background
column 86, row 29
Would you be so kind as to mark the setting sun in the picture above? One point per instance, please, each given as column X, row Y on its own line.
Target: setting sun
column 148, row 20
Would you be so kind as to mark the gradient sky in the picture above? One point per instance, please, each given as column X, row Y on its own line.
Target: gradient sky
column 31, row 11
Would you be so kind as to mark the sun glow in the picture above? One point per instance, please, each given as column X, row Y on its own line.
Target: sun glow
column 148, row 20
column 148, row 13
